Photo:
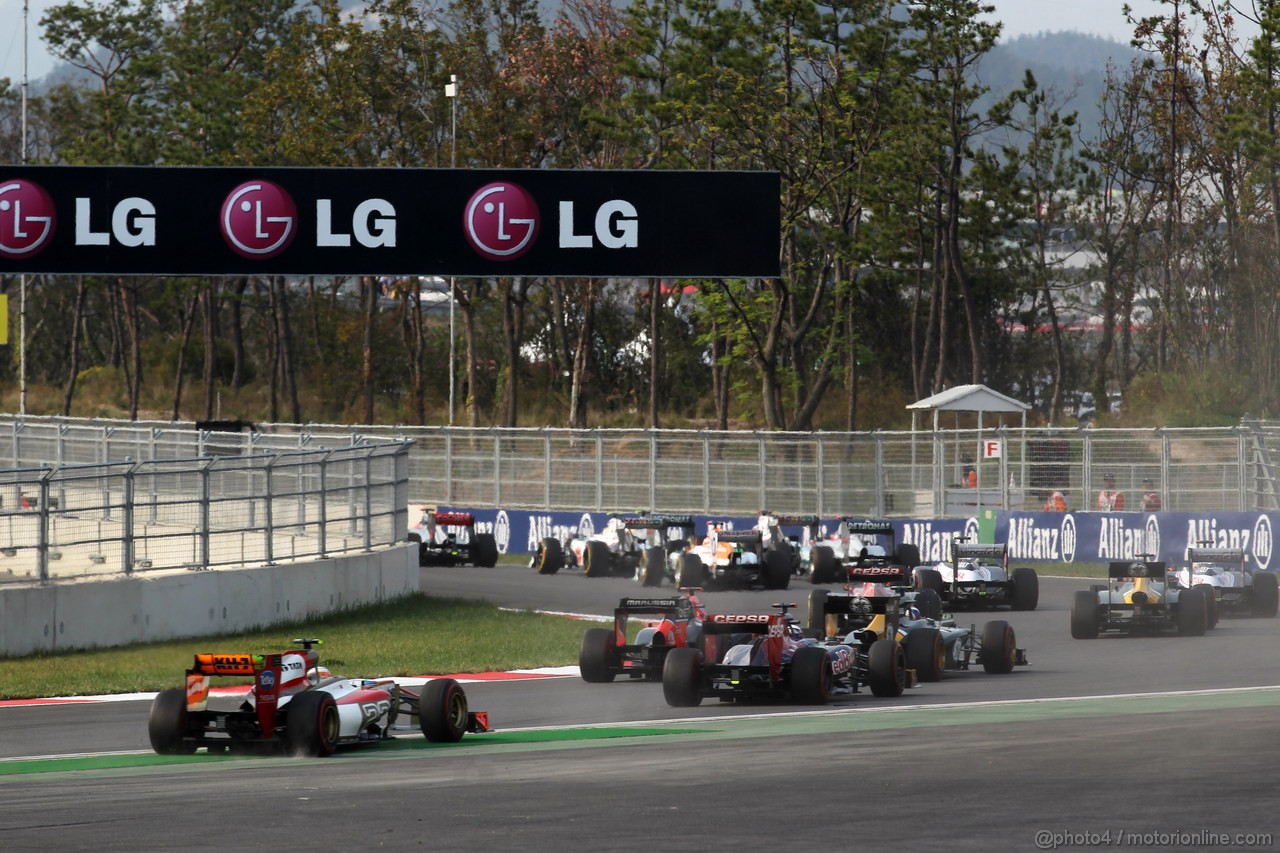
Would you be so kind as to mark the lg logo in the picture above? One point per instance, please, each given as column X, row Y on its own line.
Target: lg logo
column 259, row 220
column 502, row 222
column 27, row 219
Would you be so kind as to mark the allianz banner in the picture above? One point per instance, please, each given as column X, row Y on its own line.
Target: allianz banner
column 389, row 221
column 1032, row 537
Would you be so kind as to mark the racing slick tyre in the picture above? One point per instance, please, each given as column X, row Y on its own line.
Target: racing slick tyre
column 1025, row 594
column 168, row 724
column 816, row 618
column 1210, row 605
column 907, row 554
column 777, row 569
column 1265, row 595
column 887, row 668
column 1084, row 615
column 682, row 678
column 1192, row 613
column 999, row 647
column 550, row 557
column 811, row 676
column 484, row 550
column 442, row 711
column 925, row 653
column 929, row 603
column 927, row 579
column 692, row 572
column 826, row 568
column 312, row 725
column 652, row 566
column 598, row 656
column 597, row 560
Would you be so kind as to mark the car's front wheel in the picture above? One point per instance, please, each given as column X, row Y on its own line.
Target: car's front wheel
column 999, row 647
column 926, row 653
column 550, row 556
column 442, row 711
column 887, row 668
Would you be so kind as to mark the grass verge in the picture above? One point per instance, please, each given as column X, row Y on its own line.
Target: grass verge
column 414, row 635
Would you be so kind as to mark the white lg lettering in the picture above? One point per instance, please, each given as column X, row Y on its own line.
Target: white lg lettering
column 373, row 223
column 133, row 223
column 617, row 226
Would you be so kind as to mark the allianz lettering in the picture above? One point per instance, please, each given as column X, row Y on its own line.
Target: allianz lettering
column 1027, row 541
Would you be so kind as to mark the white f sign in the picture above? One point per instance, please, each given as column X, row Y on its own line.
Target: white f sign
column 992, row 449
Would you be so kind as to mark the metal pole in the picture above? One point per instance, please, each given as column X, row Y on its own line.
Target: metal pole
column 22, row 279
column 451, row 92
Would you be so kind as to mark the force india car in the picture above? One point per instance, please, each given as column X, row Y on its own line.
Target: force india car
column 1229, row 584
column 732, row 558
column 870, row 611
column 628, row 545
column 297, row 707
column 771, row 659
column 979, row 576
column 606, row 654
column 450, row 539
column 1139, row 598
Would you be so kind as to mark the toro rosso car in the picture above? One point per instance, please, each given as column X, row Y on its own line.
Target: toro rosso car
column 733, row 558
column 605, row 653
column 1228, row 583
column 297, row 707
column 867, row 612
column 450, row 539
column 979, row 576
column 771, row 659
column 1139, row 599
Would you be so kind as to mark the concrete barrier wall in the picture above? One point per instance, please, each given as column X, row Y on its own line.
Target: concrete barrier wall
column 152, row 607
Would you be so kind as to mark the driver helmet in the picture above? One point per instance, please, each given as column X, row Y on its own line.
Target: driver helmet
column 912, row 612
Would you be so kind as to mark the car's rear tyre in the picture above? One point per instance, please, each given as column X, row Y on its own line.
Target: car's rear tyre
column 907, row 554
column 811, row 676
column 1210, row 604
column 550, row 558
column 1266, row 595
column 777, row 569
column 596, row 559
column 598, row 656
column 312, row 725
column 926, row 653
column 484, row 550
column 442, row 711
column 999, row 647
column 682, row 678
column 927, row 579
column 1026, row 589
column 826, row 568
column 887, row 668
column 816, row 617
column 169, row 724
column 1192, row 613
column 692, row 571
column 929, row 603
column 1084, row 615
column 652, row 566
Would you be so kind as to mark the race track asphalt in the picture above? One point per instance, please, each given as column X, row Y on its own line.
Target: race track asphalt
column 1138, row 743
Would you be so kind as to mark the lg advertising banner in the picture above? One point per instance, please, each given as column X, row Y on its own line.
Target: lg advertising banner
column 463, row 222
column 1033, row 537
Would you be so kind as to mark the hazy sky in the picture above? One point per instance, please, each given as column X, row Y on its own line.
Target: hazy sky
column 1020, row 17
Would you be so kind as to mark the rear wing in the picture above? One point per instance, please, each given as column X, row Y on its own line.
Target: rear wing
column 1137, row 569
column 796, row 520
column 228, row 664
column 856, row 605
column 878, row 528
column 1216, row 555
column 974, row 551
column 455, row 519
column 658, row 522
column 651, row 605
column 880, row 571
column 740, row 623
column 739, row 537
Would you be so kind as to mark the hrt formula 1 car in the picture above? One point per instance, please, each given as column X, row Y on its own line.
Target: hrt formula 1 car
column 297, row 707
column 450, row 539
column 1138, row 599
column 606, row 653
column 868, row 612
column 773, row 660
column 979, row 576
column 1230, row 585
column 733, row 558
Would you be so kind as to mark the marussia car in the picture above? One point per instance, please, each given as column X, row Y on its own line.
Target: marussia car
column 297, row 707
column 1230, row 585
column 864, row 613
column 606, row 654
column 450, row 539
column 979, row 576
column 1138, row 599
column 771, row 659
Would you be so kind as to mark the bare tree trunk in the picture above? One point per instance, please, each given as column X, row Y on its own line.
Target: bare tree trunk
column 514, row 295
column 581, row 361
column 289, row 373
column 415, row 344
column 472, row 290
column 655, row 353
column 273, row 352
column 237, row 333
column 133, row 373
column 188, row 321
column 74, row 356
column 210, row 352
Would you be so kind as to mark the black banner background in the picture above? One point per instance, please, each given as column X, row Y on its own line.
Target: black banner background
column 688, row 224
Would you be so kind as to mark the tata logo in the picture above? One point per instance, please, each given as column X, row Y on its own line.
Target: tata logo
column 501, row 221
column 27, row 219
column 502, row 531
column 259, row 220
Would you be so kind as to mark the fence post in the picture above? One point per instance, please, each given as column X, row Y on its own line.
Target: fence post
column 205, row 514
column 268, row 512
column 1003, row 435
column 821, row 458
column 763, row 503
column 939, row 474
column 881, row 481
column 653, row 470
column 323, row 512
column 42, row 528
column 599, row 469
column 448, row 465
column 706, row 471
column 368, row 501
column 128, row 544
column 497, row 468
column 546, row 469
column 1242, row 456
